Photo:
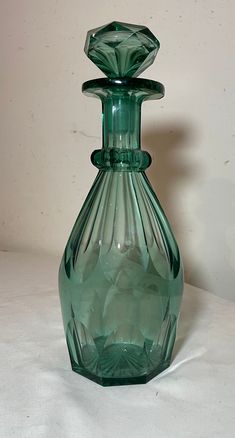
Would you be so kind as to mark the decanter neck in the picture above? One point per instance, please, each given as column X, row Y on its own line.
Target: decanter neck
column 121, row 119
column 121, row 104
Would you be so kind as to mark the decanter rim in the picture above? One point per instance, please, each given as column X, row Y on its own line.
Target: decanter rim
column 151, row 89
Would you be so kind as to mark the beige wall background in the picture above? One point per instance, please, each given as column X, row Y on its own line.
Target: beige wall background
column 49, row 129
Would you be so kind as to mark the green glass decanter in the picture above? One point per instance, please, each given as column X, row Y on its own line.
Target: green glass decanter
column 121, row 276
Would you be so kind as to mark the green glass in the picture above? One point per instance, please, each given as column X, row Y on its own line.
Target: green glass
column 121, row 49
column 121, row 276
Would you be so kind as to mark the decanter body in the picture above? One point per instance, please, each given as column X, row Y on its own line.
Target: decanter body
column 121, row 276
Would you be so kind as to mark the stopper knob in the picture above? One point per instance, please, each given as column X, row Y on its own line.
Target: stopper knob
column 121, row 49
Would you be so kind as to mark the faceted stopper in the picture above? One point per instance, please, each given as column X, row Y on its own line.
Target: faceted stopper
column 121, row 49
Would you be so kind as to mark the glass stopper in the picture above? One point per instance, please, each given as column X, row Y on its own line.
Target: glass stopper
column 121, row 49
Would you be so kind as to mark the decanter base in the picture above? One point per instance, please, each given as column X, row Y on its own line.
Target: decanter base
column 115, row 381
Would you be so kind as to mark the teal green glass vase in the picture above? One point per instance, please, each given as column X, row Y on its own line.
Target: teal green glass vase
column 121, row 276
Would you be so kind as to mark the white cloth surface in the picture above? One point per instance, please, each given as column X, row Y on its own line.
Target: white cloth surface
column 41, row 397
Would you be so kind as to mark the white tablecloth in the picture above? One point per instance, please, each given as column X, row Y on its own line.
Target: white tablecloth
column 40, row 396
